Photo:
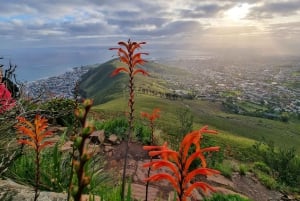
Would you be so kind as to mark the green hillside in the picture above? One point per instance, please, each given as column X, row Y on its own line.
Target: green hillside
column 235, row 130
column 99, row 85
column 111, row 95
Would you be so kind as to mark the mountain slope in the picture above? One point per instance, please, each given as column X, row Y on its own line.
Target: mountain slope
column 111, row 94
column 99, row 85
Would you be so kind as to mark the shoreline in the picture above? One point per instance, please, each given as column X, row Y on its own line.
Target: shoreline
column 56, row 86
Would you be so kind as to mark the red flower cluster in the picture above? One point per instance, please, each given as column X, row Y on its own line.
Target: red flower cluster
column 6, row 101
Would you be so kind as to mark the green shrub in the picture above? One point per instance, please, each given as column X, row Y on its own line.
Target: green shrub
column 262, row 167
column 142, row 133
column 225, row 168
column 266, row 180
column 221, row 197
column 118, row 126
column 284, row 163
column 243, row 169
column 185, row 120
column 60, row 110
column 112, row 192
column 213, row 158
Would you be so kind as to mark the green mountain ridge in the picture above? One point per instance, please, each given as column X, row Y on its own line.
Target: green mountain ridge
column 99, row 85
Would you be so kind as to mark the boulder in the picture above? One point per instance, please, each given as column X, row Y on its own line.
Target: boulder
column 113, row 138
column 97, row 137
column 10, row 190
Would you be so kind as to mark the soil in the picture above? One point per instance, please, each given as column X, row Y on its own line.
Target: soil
column 247, row 185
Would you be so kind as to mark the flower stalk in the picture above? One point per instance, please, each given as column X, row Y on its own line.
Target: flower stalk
column 151, row 117
column 34, row 135
column 128, row 55
column 79, row 143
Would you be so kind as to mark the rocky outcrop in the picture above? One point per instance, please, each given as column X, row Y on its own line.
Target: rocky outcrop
column 12, row 191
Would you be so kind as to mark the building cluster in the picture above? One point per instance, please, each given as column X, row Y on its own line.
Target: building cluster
column 275, row 84
column 61, row 86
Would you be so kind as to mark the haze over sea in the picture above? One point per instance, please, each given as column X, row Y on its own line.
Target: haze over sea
column 38, row 63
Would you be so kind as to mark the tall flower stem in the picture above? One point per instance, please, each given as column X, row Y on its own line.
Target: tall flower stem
column 33, row 135
column 151, row 117
column 84, row 155
column 130, row 123
column 75, row 134
column 37, row 173
column 128, row 56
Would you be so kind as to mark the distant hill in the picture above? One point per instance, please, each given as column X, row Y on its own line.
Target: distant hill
column 99, row 85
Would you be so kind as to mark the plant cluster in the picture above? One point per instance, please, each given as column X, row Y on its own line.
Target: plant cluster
column 186, row 120
column 282, row 164
column 54, row 166
column 60, row 111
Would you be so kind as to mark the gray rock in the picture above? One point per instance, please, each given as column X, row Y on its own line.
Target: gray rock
column 10, row 190
column 113, row 138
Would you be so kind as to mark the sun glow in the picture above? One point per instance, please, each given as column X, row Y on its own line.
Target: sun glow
column 238, row 12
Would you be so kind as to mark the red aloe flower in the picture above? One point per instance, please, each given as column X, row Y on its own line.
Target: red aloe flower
column 152, row 117
column 34, row 135
column 179, row 164
column 128, row 56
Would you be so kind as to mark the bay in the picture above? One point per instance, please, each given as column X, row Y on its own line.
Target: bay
column 39, row 63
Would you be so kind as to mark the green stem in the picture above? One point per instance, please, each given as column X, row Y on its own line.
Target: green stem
column 130, row 123
column 151, row 158
column 37, row 173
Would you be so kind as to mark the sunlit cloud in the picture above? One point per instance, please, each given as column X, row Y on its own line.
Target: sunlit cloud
column 238, row 12
column 191, row 23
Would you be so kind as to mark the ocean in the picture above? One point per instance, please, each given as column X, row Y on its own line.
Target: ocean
column 38, row 63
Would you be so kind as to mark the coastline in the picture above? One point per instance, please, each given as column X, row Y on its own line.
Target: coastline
column 60, row 86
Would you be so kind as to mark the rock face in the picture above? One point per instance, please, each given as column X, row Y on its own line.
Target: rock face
column 12, row 191
column 97, row 137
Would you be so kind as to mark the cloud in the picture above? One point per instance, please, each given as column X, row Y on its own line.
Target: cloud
column 203, row 10
column 272, row 9
column 80, row 23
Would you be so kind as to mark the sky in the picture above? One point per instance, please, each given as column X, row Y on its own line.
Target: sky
column 76, row 32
